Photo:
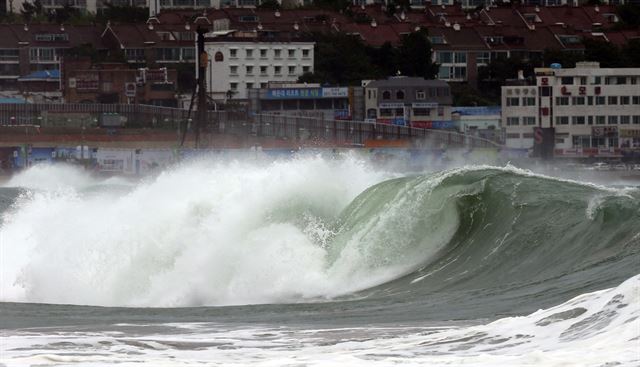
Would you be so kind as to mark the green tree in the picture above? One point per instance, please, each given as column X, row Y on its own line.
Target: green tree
column 631, row 52
column 606, row 53
column 127, row 14
column 340, row 59
column 629, row 15
column 414, row 56
column 269, row 5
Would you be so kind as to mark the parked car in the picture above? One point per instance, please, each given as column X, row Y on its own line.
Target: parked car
column 620, row 167
column 636, row 167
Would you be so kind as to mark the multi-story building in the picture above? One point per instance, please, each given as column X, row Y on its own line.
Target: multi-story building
column 409, row 101
column 591, row 111
column 239, row 61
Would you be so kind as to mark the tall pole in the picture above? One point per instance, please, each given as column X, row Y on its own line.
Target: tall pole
column 203, row 61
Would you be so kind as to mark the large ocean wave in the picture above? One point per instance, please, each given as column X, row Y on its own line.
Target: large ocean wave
column 314, row 230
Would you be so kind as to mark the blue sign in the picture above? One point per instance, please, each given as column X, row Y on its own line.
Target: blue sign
column 294, row 93
column 399, row 121
column 443, row 125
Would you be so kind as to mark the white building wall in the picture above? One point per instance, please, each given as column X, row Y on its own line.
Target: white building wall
column 588, row 97
column 253, row 64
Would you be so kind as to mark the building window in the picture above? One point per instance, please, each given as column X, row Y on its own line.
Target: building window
column 600, row 120
column 263, row 85
column 249, row 85
column 625, row 120
column 567, row 80
column 233, row 70
column 562, row 120
column 386, row 112
column 590, row 120
column 529, row 120
column 263, row 70
column 636, row 99
column 9, row 54
column 460, row 57
column 613, row 120
column 400, row 95
column 249, row 70
column 305, row 53
column 233, row 86
column 420, row 94
column 513, row 136
column 562, row 101
column 613, row 100
column 513, row 121
column 233, row 53
column 582, row 141
column 444, row 57
column 386, row 95
column 292, row 70
column 636, row 120
column 578, row 101
column 624, row 100
column 263, row 53
column 513, row 101
column 528, row 101
column 291, row 53
column 249, row 53
column 600, row 100
column 277, row 53
column 277, row 70
column 583, row 80
column 597, row 80
column 306, row 69
column 590, row 100
column 577, row 120
column 483, row 58
column 52, row 37
column 421, row 112
column 597, row 142
column 621, row 80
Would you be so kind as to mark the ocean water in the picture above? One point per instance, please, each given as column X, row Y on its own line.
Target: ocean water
column 316, row 261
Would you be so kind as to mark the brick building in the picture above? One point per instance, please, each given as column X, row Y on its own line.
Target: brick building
column 117, row 83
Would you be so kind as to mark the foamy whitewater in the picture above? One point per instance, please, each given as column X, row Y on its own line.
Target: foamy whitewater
column 317, row 261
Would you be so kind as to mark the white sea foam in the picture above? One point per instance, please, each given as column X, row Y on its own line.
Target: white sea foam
column 206, row 233
column 594, row 329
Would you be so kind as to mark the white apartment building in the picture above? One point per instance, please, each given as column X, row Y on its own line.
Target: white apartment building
column 240, row 63
column 594, row 111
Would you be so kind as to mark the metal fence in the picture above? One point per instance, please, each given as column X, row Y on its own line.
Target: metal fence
column 286, row 127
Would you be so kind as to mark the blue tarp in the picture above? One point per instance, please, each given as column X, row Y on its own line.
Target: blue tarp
column 42, row 75
column 12, row 101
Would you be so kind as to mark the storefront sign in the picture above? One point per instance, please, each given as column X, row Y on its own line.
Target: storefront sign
column 335, row 92
column 294, row 93
column 630, row 133
column 607, row 131
column 425, row 105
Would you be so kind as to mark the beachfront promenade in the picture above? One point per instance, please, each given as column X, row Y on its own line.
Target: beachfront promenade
column 116, row 125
